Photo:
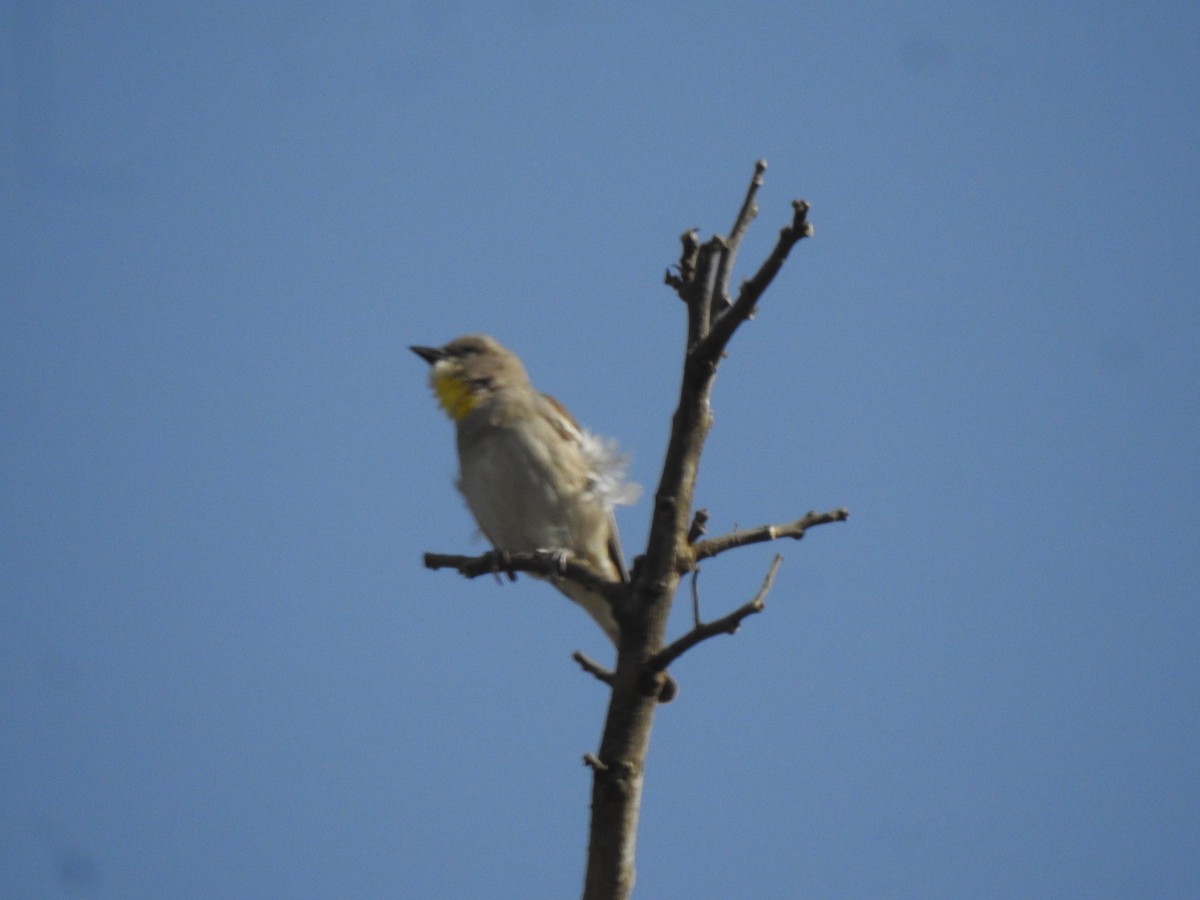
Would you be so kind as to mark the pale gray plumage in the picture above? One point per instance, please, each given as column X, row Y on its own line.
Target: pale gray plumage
column 532, row 478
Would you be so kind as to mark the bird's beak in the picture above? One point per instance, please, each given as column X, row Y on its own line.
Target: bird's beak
column 429, row 354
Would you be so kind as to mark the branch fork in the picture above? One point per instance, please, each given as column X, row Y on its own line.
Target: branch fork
column 728, row 624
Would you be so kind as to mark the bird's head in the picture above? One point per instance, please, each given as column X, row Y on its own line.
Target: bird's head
column 470, row 369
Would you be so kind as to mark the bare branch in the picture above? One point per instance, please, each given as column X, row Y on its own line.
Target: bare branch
column 795, row 530
column 725, row 625
column 546, row 564
column 699, row 294
column 696, row 596
column 749, row 208
column 744, row 217
column 714, row 343
column 593, row 668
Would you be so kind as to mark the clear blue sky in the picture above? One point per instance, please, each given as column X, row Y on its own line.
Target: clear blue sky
column 223, row 670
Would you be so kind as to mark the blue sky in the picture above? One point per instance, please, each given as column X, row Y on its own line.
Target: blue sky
column 223, row 670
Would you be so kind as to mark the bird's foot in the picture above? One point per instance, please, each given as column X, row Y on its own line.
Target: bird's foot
column 501, row 562
column 560, row 557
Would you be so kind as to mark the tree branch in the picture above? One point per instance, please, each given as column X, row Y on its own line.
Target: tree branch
column 593, row 668
column 699, row 294
column 749, row 208
column 795, row 530
column 547, row 564
column 617, row 781
column 714, row 343
column 725, row 625
column 745, row 216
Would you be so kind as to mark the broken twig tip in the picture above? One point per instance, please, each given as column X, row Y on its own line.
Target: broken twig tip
column 593, row 762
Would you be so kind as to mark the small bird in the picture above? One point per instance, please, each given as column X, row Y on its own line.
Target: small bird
column 532, row 477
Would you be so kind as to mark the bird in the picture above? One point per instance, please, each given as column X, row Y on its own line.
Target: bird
column 532, row 477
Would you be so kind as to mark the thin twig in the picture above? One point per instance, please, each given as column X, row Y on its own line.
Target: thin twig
column 725, row 625
column 696, row 597
column 714, row 343
column 699, row 294
column 749, row 208
column 740, row 225
column 795, row 530
column 593, row 668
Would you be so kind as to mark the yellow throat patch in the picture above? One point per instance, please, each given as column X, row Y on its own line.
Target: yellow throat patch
column 453, row 394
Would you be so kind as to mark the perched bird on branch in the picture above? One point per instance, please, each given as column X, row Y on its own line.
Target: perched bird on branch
column 532, row 477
